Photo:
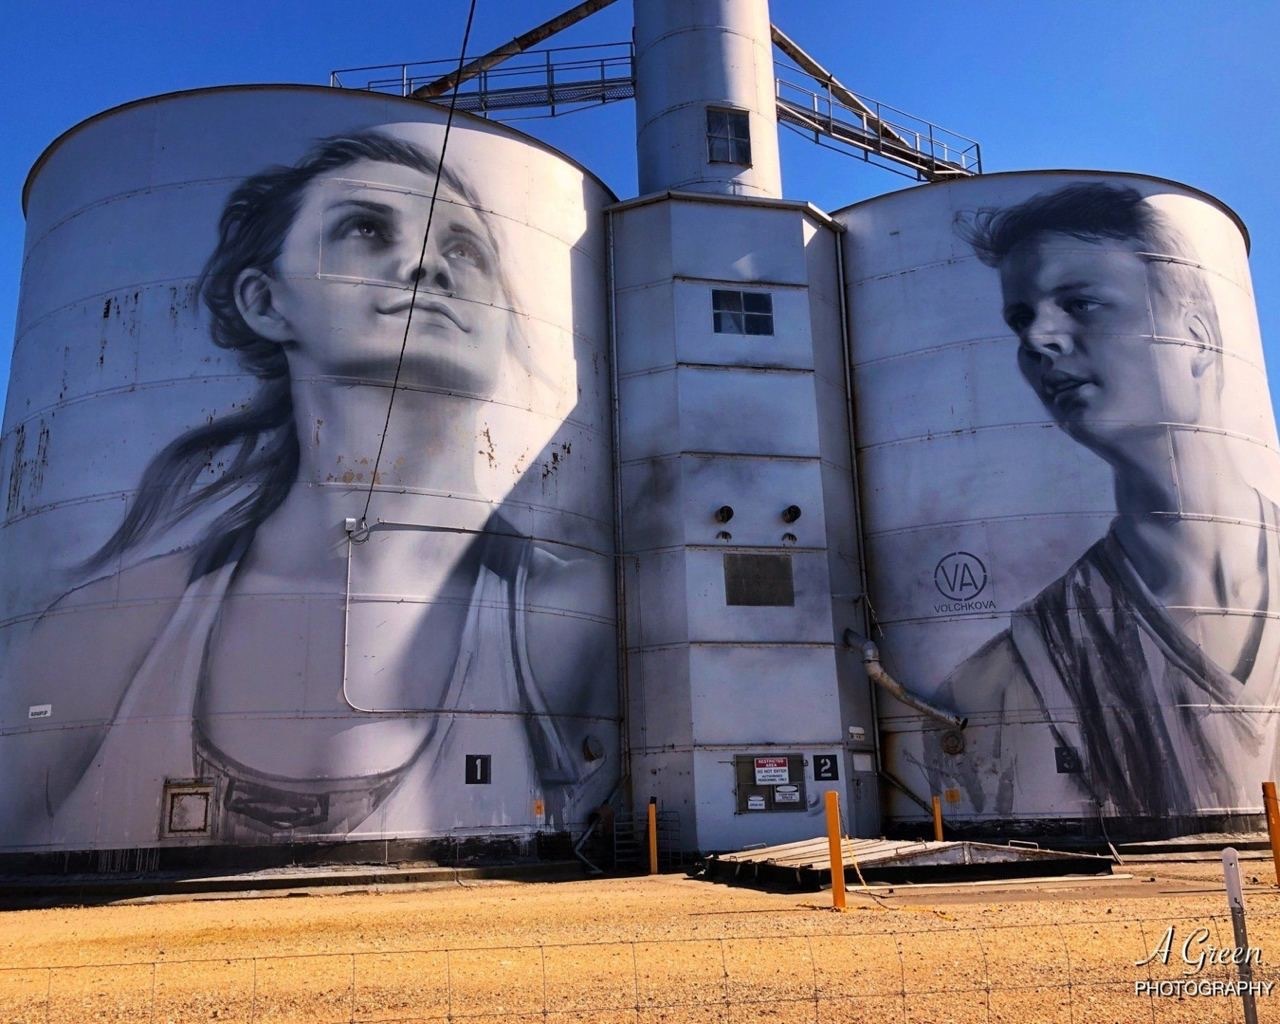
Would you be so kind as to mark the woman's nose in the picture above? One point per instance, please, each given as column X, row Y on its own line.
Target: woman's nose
column 435, row 271
column 424, row 268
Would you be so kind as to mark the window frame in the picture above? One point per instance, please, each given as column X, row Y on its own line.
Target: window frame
column 731, row 136
column 732, row 312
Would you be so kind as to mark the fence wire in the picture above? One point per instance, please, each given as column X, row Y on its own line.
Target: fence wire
column 1071, row 972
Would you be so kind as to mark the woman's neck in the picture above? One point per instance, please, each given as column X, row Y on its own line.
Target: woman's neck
column 428, row 450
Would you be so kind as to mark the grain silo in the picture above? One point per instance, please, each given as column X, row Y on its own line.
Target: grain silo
column 1069, row 464
column 238, row 609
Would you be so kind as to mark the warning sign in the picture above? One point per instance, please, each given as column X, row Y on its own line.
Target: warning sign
column 786, row 795
column 770, row 771
column 755, row 802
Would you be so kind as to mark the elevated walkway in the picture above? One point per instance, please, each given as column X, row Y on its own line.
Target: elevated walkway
column 561, row 80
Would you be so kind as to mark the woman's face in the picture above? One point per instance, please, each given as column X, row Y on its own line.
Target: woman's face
column 342, row 290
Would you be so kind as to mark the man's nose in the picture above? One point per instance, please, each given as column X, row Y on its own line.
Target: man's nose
column 1050, row 334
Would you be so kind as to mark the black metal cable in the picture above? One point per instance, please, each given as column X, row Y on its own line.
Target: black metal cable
column 422, row 255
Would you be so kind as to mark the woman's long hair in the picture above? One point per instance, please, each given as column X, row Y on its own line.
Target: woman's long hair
column 262, row 435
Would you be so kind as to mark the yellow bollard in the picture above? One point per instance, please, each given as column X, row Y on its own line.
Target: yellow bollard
column 1272, row 808
column 833, row 845
column 653, row 835
column 937, row 817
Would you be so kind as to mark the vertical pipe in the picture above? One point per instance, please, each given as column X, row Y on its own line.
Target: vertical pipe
column 619, row 562
column 859, row 537
column 1272, row 808
column 833, row 847
column 937, row 817
column 653, row 835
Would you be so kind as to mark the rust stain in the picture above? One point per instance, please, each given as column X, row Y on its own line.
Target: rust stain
column 41, row 461
column 488, row 450
column 15, row 469
column 106, row 310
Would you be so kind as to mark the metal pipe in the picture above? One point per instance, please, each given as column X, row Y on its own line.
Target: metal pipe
column 877, row 674
column 906, row 790
column 653, row 835
column 834, row 849
column 1272, row 809
column 846, row 340
column 619, row 559
column 517, row 45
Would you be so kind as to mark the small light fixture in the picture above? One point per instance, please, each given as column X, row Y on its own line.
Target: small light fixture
column 791, row 513
column 724, row 513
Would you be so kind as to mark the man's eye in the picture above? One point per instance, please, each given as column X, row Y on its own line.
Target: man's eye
column 1079, row 306
column 1019, row 320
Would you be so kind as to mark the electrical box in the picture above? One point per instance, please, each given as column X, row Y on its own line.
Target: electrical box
column 769, row 782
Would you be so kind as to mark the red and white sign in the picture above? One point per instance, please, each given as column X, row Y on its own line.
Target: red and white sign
column 770, row 771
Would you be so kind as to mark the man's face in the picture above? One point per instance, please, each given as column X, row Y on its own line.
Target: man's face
column 1095, row 337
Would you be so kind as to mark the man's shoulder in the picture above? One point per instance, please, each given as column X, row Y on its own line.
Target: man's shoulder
column 981, row 682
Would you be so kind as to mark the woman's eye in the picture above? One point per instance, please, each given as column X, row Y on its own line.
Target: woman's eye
column 364, row 228
column 464, row 251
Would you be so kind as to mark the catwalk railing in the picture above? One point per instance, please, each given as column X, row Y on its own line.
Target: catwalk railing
column 1075, row 973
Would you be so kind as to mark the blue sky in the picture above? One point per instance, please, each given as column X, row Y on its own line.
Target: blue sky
column 1183, row 89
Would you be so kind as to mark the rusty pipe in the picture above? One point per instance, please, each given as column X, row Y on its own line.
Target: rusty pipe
column 880, row 676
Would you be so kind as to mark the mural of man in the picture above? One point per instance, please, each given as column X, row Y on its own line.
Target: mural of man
column 1145, row 679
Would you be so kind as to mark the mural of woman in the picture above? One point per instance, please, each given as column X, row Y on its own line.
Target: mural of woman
column 331, row 682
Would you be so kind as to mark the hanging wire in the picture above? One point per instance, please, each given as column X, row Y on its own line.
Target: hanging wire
column 422, row 256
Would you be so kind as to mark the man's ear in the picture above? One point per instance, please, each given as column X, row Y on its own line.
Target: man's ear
column 1207, row 354
column 255, row 299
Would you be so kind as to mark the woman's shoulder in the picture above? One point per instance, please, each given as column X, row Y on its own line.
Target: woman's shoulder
column 87, row 643
column 160, row 577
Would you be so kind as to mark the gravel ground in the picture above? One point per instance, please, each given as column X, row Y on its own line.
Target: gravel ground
column 667, row 949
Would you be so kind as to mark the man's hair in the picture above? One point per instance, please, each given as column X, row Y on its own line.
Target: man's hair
column 1092, row 211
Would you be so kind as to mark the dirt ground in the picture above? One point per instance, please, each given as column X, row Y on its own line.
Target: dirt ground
column 669, row 949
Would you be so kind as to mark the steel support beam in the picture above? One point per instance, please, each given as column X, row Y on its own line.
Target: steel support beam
column 518, row 45
column 810, row 66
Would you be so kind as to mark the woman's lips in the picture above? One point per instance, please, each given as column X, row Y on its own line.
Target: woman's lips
column 427, row 307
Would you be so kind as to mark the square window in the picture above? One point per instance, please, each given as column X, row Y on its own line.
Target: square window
column 734, row 312
column 728, row 136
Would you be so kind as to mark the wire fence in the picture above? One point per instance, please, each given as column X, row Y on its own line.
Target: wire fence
column 1069, row 972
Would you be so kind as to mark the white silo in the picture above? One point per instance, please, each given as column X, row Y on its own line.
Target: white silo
column 236, row 610
column 1069, row 468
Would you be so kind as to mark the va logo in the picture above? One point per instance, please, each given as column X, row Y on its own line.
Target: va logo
column 960, row 576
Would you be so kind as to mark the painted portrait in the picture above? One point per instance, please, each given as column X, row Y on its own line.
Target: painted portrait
column 317, row 602
column 1145, row 678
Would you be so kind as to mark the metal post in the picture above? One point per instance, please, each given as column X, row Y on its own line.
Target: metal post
column 653, row 835
column 833, row 847
column 937, row 817
column 1235, row 901
column 1271, row 806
